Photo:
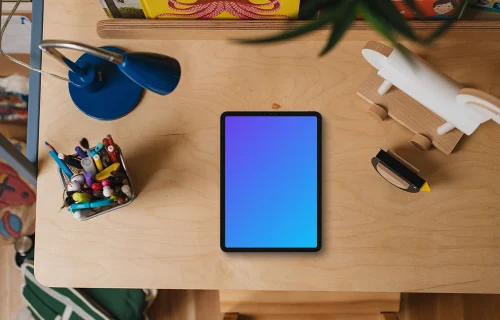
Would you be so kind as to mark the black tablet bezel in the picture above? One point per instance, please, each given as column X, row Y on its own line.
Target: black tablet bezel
column 223, row 180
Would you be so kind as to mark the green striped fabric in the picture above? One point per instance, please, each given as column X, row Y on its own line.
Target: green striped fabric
column 85, row 304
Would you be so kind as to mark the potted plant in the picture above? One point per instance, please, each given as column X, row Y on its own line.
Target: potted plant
column 340, row 14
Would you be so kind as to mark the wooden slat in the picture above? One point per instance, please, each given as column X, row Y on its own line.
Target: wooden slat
column 237, row 29
column 307, row 303
column 311, row 317
column 389, row 316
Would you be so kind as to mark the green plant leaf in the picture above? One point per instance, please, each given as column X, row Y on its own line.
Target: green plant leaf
column 312, row 8
column 340, row 26
column 387, row 13
column 377, row 24
column 447, row 24
column 326, row 18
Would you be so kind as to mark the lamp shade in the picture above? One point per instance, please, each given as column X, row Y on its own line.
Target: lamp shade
column 152, row 71
column 106, row 83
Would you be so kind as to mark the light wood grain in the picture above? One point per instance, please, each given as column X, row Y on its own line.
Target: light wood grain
column 409, row 113
column 307, row 303
column 310, row 317
column 171, row 305
column 169, row 29
column 376, row 238
column 389, row 316
column 186, row 305
column 10, row 285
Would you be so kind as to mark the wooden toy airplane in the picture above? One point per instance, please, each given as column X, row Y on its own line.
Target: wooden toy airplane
column 429, row 103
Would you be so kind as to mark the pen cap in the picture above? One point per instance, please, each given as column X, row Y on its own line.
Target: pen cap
column 99, row 146
column 88, row 166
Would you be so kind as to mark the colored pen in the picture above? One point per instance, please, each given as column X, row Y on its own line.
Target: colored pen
column 80, row 152
column 91, row 152
column 99, row 146
column 98, row 162
column 69, row 160
column 59, row 162
column 81, row 197
column 113, row 154
column 106, row 173
column 89, row 180
column 88, row 166
column 90, row 204
column 110, row 140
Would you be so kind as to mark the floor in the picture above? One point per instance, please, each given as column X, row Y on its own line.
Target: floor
column 195, row 305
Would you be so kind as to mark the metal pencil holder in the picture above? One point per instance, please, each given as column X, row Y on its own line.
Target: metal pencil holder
column 87, row 214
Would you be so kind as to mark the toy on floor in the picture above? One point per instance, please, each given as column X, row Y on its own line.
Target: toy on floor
column 13, row 190
column 10, row 225
column 429, row 103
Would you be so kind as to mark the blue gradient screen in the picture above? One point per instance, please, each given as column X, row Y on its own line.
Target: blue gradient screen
column 271, row 182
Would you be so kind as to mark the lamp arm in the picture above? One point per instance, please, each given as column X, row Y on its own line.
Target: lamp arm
column 50, row 47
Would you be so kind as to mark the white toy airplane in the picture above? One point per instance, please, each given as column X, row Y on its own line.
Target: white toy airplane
column 461, row 108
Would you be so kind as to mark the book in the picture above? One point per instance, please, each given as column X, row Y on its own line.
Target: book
column 128, row 9
column 490, row 5
column 220, row 9
column 429, row 9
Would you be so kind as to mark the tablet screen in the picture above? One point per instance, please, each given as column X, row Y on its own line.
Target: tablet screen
column 271, row 181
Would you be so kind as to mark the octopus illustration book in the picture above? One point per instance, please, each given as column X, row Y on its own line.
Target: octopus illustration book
column 221, row 9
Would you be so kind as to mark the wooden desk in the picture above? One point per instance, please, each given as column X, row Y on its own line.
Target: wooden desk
column 376, row 238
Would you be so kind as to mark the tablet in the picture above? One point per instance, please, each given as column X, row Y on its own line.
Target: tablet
column 270, row 181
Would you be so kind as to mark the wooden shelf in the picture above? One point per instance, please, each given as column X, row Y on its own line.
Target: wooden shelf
column 231, row 29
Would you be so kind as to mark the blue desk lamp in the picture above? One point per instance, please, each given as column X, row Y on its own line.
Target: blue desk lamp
column 107, row 83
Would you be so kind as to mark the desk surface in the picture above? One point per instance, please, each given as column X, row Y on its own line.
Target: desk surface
column 376, row 238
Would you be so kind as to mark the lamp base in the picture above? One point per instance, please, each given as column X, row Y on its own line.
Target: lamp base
column 117, row 96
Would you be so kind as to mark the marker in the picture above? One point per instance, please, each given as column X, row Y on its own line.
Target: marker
column 110, row 140
column 106, row 173
column 98, row 162
column 88, row 166
column 80, row 152
column 90, row 204
column 81, row 197
column 99, row 146
column 88, row 178
column 113, row 154
column 60, row 163
column 91, row 152
column 69, row 160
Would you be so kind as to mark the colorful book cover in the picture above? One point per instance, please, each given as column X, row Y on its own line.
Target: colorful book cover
column 490, row 5
column 221, row 9
column 127, row 9
column 429, row 9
